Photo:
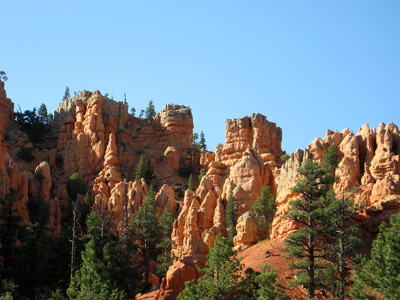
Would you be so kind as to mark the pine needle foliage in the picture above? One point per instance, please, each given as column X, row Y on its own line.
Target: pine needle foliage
column 231, row 216
column 306, row 245
column 378, row 277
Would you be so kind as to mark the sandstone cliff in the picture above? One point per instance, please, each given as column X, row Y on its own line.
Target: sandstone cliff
column 96, row 137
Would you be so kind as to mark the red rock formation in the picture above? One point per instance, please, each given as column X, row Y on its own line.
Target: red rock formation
column 368, row 161
column 247, row 162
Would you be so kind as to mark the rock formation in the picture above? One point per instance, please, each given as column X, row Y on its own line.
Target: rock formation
column 96, row 137
column 247, row 161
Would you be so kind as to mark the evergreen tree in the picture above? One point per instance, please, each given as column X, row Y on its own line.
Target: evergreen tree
column 10, row 231
column 191, row 184
column 133, row 111
column 306, row 245
column 164, row 258
column 202, row 142
column 220, row 279
column 150, row 111
column 194, row 151
column 66, row 93
column 342, row 243
column 202, row 173
column 146, row 230
column 331, row 159
column 33, row 125
column 261, row 286
column 231, row 215
column 92, row 281
column 265, row 205
column 42, row 113
column 50, row 118
column 75, row 185
column 144, row 170
column 378, row 277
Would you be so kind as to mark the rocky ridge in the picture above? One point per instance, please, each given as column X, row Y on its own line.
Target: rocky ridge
column 96, row 137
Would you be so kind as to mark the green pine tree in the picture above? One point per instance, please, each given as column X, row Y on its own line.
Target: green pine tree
column 202, row 142
column 342, row 243
column 66, row 93
column 231, row 215
column 92, row 281
column 10, row 231
column 220, row 279
column 42, row 113
column 265, row 205
column 191, row 184
column 331, row 159
column 202, row 173
column 165, row 258
column 146, row 230
column 306, row 245
column 144, row 170
column 150, row 112
column 378, row 277
column 75, row 185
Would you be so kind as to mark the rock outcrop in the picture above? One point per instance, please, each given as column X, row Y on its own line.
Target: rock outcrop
column 369, row 162
column 247, row 161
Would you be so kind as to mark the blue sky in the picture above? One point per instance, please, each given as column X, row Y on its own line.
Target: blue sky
column 309, row 66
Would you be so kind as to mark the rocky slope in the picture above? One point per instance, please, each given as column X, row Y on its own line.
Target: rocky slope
column 96, row 137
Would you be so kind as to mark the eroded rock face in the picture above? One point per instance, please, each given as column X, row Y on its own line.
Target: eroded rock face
column 248, row 132
column 288, row 178
column 244, row 164
column 369, row 162
column 250, row 229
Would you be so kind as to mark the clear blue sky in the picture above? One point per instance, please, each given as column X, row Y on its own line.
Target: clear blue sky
column 307, row 65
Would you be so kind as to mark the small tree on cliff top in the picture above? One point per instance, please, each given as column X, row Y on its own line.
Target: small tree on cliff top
column 150, row 111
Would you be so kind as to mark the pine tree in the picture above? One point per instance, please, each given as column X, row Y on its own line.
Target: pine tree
column 146, row 230
column 164, row 258
column 150, row 111
column 144, row 170
column 75, row 185
column 202, row 173
column 220, row 279
column 342, row 243
column 194, row 150
column 92, row 281
column 202, row 142
column 191, row 184
column 66, row 93
column 378, row 277
column 306, row 245
column 331, row 159
column 10, row 232
column 42, row 113
column 265, row 204
column 231, row 215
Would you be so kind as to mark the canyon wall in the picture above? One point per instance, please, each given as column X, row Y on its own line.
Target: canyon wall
column 97, row 137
